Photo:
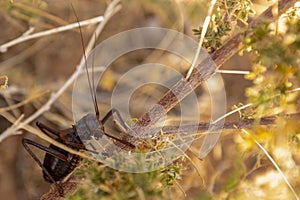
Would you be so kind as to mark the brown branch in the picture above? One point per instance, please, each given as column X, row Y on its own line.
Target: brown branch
column 203, row 126
column 204, row 71
column 70, row 186
column 196, row 131
column 182, row 88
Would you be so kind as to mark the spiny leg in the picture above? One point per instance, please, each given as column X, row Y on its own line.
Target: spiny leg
column 27, row 142
column 45, row 128
column 121, row 122
column 120, row 119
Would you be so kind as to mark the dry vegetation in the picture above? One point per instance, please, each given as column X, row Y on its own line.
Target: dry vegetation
column 236, row 168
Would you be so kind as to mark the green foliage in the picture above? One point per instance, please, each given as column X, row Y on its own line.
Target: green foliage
column 171, row 173
column 101, row 182
column 224, row 20
column 275, row 49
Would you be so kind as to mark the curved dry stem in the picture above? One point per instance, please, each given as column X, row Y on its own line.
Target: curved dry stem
column 110, row 11
column 252, row 137
column 28, row 36
column 197, row 77
column 11, row 107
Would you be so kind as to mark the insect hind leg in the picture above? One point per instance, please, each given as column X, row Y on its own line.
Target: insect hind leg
column 120, row 122
column 27, row 142
column 45, row 129
column 119, row 118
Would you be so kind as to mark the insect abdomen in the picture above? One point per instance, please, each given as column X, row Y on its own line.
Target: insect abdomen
column 58, row 168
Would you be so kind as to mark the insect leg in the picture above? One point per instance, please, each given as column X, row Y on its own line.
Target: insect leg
column 120, row 119
column 55, row 153
column 45, row 129
column 120, row 122
column 27, row 142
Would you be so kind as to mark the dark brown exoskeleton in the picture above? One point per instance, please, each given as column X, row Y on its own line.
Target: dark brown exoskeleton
column 58, row 163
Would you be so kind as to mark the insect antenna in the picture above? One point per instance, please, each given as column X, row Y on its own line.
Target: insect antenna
column 91, row 84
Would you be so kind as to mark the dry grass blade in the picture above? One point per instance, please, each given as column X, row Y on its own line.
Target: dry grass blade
column 238, row 72
column 111, row 10
column 35, row 96
column 11, row 130
column 197, row 77
column 202, row 37
column 249, row 135
column 40, row 13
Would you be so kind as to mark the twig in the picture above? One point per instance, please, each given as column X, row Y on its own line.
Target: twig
column 27, row 36
column 10, row 133
column 35, row 131
column 11, row 107
column 184, row 87
column 203, row 126
column 239, row 72
column 202, row 37
column 111, row 10
column 39, row 12
column 252, row 137
column 70, row 185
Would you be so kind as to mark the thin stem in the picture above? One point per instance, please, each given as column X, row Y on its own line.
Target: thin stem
column 232, row 112
column 223, row 71
column 11, row 107
column 202, row 37
column 110, row 11
column 184, row 87
column 15, row 123
column 273, row 162
column 27, row 36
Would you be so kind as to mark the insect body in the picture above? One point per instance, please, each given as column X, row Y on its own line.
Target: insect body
column 58, row 163
column 57, row 168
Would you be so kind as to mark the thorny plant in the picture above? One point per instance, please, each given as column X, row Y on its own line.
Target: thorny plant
column 285, row 76
column 275, row 49
column 231, row 189
column 226, row 20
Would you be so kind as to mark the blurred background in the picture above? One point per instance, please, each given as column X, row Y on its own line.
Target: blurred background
column 40, row 66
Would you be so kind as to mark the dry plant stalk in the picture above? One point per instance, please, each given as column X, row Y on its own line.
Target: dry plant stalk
column 247, row 134
column 184, row 87
column 26, row 101
column 40, row 12
column 28, row 36
column 112, row 8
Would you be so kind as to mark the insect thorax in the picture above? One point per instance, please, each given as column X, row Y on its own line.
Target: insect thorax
column 89, row 126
